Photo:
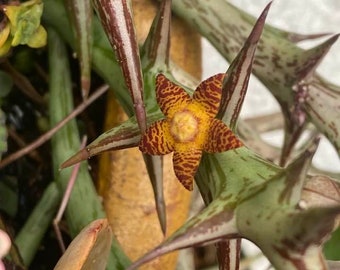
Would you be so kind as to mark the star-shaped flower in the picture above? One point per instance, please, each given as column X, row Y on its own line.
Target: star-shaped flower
column 190, row 126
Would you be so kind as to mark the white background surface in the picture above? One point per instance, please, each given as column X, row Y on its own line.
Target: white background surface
column 300, row 16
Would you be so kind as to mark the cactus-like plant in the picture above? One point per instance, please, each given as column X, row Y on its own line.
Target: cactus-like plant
column 247, row 196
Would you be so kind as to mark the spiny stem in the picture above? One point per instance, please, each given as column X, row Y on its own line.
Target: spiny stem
column 45, row 137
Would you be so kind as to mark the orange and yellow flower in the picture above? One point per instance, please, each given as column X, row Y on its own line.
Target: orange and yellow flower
column 190, row 126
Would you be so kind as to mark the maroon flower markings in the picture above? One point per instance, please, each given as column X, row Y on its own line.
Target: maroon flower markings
column 189, row 127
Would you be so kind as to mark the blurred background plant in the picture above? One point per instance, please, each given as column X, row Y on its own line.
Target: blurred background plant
column 270, row 193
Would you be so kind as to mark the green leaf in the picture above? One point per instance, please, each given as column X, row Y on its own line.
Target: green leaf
column 34, row 229
column 8, row 196
column 80, row 12
column 332, row 246
column 84, row 205
column 6, row 83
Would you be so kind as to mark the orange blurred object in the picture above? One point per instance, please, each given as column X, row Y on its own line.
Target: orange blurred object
column 89, row 250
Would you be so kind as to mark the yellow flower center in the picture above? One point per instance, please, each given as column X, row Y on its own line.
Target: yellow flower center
column 184, row 126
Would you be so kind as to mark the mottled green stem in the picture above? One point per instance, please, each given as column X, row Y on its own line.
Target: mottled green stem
column 80, row 12
column 287, row 70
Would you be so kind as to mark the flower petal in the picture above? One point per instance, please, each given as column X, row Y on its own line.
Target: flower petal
column 170, row 97
column 186, row 165
column 156, row 140
column 220, row 138
column 209, row 93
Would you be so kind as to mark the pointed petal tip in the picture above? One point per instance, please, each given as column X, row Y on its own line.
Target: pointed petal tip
column 209, row 92
column 169, row 95
column 221, row 138
column 189, row 186
column 186, row 165
column 187, row 182
column 78, row 157
column 160, row 77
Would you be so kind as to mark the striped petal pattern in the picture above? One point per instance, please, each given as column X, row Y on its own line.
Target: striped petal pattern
column 170, row 97
column 186, row 165
column 221, row 138
column 209, row 93
column 190, row 126
column 156, row 140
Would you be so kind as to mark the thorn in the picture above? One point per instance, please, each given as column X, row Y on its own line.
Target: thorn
column 78, row 157
column 235, row 84
column 161, row 211
column 296, row 174
column 295, row 37
column 313, row 58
